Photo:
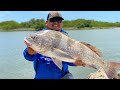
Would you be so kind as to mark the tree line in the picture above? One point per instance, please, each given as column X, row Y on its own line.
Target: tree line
column 33, row 23
column 37, row 24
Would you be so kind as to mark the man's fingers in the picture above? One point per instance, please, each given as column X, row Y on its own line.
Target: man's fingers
column 83, row 64
column 80, row 63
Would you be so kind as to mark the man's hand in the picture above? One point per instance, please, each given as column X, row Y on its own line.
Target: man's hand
column 31, row 51
column 93, row 48
column 79, row 63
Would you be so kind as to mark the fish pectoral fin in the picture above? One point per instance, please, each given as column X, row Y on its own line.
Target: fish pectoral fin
column 92, row 66
column 58, row 62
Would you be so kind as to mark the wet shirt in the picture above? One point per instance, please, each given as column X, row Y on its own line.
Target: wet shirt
column 45, row 68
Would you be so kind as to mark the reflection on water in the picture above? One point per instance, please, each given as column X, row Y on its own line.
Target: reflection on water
column 14, row 66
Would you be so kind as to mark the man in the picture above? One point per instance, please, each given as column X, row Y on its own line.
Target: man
column 43, row 65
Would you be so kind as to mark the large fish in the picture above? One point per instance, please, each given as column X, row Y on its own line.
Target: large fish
column 60, row 48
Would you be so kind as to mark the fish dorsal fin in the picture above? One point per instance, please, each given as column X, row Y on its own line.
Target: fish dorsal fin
column 58, row 63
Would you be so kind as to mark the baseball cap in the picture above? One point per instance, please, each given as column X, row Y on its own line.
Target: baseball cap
column 54, row 14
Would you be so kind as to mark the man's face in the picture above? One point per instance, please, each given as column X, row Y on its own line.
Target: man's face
column 54, row 23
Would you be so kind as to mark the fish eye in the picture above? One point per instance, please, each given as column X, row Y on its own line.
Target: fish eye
column 33, row 37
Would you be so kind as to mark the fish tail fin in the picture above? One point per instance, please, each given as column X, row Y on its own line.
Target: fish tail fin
column 111, row 68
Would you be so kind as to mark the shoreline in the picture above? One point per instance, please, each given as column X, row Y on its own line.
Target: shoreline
column 69, row 28
column 89, row 28
column 18, row 29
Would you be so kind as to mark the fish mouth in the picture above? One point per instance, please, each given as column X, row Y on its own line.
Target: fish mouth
column 27, row 42
column 34, row 47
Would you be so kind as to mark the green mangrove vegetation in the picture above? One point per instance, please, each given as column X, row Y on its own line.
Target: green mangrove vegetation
column 37, row 24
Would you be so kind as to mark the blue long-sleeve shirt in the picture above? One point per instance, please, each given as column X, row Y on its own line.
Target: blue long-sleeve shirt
column 44, row 67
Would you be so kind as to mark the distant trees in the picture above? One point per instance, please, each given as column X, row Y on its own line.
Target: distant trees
column 40, row 24
column 34, row 23
column 9, row 25
column 82, row 23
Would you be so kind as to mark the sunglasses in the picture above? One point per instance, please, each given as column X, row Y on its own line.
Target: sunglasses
column 55, row 20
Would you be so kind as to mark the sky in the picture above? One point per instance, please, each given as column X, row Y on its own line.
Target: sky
column 22, row 16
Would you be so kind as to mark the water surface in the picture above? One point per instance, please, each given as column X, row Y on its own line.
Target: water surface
column 14, row 66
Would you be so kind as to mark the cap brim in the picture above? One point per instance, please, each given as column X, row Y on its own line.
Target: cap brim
column 61, row 18
column 57, row 17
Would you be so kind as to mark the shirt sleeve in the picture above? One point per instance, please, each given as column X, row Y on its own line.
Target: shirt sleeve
column 27, row 56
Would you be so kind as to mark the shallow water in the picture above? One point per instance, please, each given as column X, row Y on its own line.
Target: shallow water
column 14, row 66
